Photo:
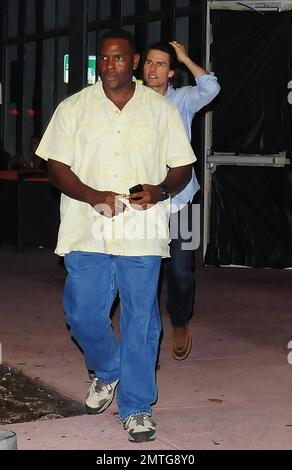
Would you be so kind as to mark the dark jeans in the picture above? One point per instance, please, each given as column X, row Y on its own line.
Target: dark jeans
column 180, row 270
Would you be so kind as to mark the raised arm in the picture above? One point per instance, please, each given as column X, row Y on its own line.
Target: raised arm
column 206, row 88
column 182, row 57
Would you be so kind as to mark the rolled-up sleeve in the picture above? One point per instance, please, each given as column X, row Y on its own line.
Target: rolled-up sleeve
column 203, row 93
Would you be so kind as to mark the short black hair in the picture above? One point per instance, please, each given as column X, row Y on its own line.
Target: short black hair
column 119, row 34
column 163, row 46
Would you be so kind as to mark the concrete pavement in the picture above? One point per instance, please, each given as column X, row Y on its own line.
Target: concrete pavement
column 233, row 392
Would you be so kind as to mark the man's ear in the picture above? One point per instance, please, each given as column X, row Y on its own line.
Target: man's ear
column 136, row 61
column 171, row 73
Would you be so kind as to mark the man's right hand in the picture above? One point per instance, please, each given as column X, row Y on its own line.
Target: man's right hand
column 106, row 203
column 109, row 204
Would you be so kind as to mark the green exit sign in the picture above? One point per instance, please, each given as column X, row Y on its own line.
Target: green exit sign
column 91, row 69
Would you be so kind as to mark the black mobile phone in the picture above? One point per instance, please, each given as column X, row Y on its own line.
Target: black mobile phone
column 136, row 189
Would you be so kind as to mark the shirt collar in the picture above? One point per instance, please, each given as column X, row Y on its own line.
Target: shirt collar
column 102, row 96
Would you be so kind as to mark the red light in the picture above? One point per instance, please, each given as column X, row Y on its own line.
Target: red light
column 31, row 112
column 14, row 112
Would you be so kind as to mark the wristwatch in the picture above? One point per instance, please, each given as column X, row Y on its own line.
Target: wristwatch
column 165, row 193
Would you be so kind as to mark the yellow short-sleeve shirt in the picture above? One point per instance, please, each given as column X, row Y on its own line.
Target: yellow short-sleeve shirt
column 111, row 150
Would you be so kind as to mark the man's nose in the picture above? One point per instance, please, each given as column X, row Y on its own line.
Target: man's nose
column 111, row 62
column 152, row 67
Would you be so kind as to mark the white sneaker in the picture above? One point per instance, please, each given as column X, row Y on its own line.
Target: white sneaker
column 99, row 396
column 140, row 427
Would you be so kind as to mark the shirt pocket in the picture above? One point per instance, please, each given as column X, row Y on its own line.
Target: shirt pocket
column 144, row 141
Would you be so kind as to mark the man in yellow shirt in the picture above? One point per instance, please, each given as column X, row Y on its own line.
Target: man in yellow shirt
column 99, row 143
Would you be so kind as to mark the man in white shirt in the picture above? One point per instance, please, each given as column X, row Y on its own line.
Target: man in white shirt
column 159, row 72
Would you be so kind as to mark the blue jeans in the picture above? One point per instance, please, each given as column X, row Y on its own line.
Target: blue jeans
column 92, row 283
column 180, row 275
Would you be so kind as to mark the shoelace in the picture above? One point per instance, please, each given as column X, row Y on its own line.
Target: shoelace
column 99, row 386
column 140, row 420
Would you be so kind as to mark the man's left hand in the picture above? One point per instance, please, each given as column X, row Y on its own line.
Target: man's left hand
column 145, row 199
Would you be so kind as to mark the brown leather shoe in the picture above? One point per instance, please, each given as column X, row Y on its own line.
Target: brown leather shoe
column 181, row 342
